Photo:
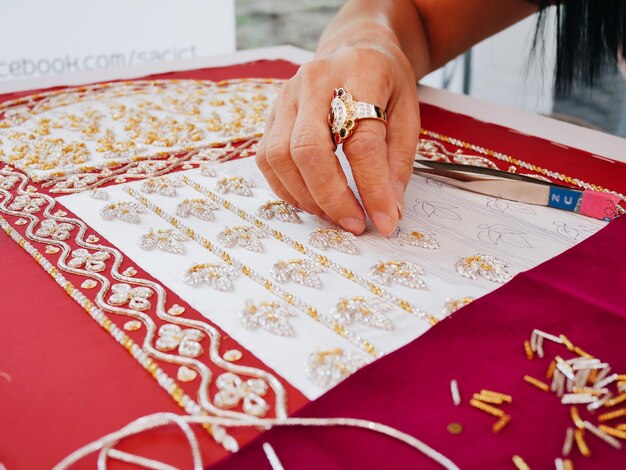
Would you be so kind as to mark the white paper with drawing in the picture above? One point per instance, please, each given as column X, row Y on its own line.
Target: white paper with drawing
column 283, row 304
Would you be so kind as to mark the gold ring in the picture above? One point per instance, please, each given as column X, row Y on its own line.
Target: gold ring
column 345, row 112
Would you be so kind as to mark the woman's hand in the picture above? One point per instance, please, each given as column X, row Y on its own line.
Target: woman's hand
column 297, row 153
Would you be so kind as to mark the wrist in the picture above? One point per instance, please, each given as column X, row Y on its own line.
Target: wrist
column 363, row 33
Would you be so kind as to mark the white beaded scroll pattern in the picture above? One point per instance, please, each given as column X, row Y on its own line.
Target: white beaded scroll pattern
column 147, row 423
column 301, row 271
column 487, row 266
column 217, row 276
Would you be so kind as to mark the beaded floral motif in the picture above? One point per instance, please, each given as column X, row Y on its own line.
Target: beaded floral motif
column 124, row 210
column 452, row 305
column 245, row 237
column 135, row 297
column 369, row 311
column 27, row 204
column 168, row 240
column 206, row 169
column 233, row 390
column 300, row 271
column 326, row 368
column 487, row 266
column 271, row 316
column 405, row 273
column 187, row 341
column 76, row 181
column 99, row 194
column 436, row 151
column 94, row 262
column 217, row 276
column 280, row 210
column 340, row 240
column 52, row 228
column 236, row 185
column 52, row 132
column 418, row 239
column 163, row 186
column 7, row 182
column 201, row 208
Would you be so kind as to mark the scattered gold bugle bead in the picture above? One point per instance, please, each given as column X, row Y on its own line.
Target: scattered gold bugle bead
column 537, row 383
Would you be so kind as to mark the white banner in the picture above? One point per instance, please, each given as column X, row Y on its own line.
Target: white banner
column 48, row 38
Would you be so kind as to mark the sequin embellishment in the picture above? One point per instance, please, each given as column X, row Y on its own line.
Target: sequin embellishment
column 217, row 276
column 300, row 271
column 404, row 273
column 279, row 210
column 369, row 311
column 340, row 240
column 487, row 266
column 271, row 316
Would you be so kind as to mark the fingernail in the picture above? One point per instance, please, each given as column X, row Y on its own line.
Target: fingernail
column 385, row 224
column 355, row 226
column 400, row 211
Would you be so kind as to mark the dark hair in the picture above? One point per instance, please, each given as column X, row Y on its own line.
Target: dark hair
column 590, row 36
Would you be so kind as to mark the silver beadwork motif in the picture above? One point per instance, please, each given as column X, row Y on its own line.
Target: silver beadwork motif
column 93, row 262
column 161, row 185
column 405, row 273
column 219, row 277
column 207, row 170
column 340, row 240
column 452, row 305
column 27, row 204
column 245, row 237
column 99, row 194
column 326, row 368
column 418, row 239
column 52, row 228
column 369, row 311
column 124, row 210
column 187, row 341
column 236, row 185
column 233, row 390
column 7, row 182
column 271, row 316
column 280, row 210
column 168, row 240
column 487, row 266
column 136, row 297
column 300, row 271
column 201, row 208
